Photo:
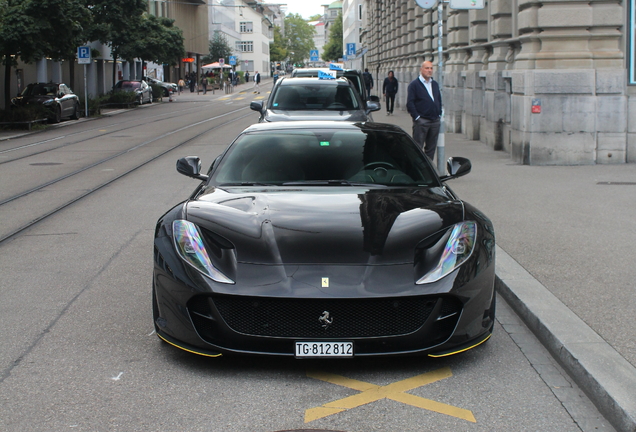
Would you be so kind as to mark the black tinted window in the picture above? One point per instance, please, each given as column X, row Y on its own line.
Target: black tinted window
column 314, row 97
column 376, row 157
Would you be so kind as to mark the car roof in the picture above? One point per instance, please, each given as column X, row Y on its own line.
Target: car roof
column 315, row 124
column 315, row 69
column 312, row 80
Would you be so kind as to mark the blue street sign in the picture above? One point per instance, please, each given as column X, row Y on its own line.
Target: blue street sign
column 233, row 60
column 313, row 55
column 351, row 49
column 83, row 55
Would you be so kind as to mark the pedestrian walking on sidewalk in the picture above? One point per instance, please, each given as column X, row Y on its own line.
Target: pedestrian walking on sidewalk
column 424, row 103
column 257, row 81
column 389, row 90
column 193, row 81
column 181, row 85
column 247, row 76
column 368, row 81
column 204, row 83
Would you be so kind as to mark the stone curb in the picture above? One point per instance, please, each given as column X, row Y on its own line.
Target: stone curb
column 606, row 377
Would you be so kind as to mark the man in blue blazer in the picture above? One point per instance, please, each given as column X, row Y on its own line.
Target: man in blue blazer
column 424, row 103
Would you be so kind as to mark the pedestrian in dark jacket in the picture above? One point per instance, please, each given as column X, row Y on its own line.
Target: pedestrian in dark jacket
column 247, row 76
column 389, row 90
column 424, row 103
column 368, row 81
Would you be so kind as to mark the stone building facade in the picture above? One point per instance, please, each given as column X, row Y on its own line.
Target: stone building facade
column 545, row 81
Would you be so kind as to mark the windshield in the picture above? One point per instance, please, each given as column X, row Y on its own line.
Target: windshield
column 40, row 90
column 324, row 157
column 315, row 97
column 129, row 85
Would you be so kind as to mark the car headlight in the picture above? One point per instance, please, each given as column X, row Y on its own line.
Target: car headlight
column 189, row 245
column 458, row 249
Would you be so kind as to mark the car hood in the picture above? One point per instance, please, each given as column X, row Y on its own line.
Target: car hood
column 32, row 99
column 325, row 225
column 281, row 115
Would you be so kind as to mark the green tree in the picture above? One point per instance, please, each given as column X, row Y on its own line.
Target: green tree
column 219, row 49
column 333, row 49
column 299, row 38
column 14, row 37
column 316, row 17
column 157, row 40
column 117, row 24
column 70, row 22
column 277, row 49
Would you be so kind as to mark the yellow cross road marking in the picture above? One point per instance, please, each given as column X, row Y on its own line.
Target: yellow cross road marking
column 239, row 98
column 259, row 97
column 395, row 391
column 224, row 98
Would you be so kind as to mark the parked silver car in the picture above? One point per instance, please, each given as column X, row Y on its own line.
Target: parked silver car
column 143, row 90
column 303, row 99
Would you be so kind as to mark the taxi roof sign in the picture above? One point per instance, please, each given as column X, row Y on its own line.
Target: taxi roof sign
column 326, row 74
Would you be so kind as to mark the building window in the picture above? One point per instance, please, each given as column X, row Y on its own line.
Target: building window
column 334, row 13
column 246, row 27
column 245, row 46
column 359, row 12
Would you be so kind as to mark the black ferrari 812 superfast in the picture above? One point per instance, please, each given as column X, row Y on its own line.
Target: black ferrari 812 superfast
column 323, row 239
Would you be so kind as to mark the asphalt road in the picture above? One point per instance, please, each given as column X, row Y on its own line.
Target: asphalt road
column 78, row 348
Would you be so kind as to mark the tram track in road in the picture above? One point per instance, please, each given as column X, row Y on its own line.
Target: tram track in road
column 12, row 232
column 35, row 145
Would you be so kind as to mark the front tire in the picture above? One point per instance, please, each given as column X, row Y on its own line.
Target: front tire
column 76, row 112
column 57, row 115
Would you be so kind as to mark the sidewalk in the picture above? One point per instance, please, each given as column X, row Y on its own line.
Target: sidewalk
column 565, row 260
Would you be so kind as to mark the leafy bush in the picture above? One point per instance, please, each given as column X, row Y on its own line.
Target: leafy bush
column 94, row 104
column 122, row 97
column 24, row 114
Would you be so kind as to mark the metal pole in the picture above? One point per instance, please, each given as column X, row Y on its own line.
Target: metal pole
column 85, row 94
column 441, row 169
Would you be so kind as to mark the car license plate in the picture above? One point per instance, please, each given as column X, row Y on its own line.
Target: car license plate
column 324, row 349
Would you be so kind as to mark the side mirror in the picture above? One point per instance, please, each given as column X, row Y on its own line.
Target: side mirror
column 456, row 167
column 257, row 106
column 191, row 166
column 373, row 106
column 374, row 98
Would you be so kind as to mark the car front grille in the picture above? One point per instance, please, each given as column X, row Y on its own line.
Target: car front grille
column 301, row 318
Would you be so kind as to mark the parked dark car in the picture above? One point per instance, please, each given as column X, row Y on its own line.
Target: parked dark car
column 301, row 99
column 57, row 98
column 141, row 88
column 323, row 239
column 353, row 75
column 167, row 87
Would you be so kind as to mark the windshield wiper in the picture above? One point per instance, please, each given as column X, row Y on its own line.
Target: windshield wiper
column 246, row 184
column 325, row 183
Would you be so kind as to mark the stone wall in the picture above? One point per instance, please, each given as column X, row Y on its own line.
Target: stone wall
column 566, row 57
